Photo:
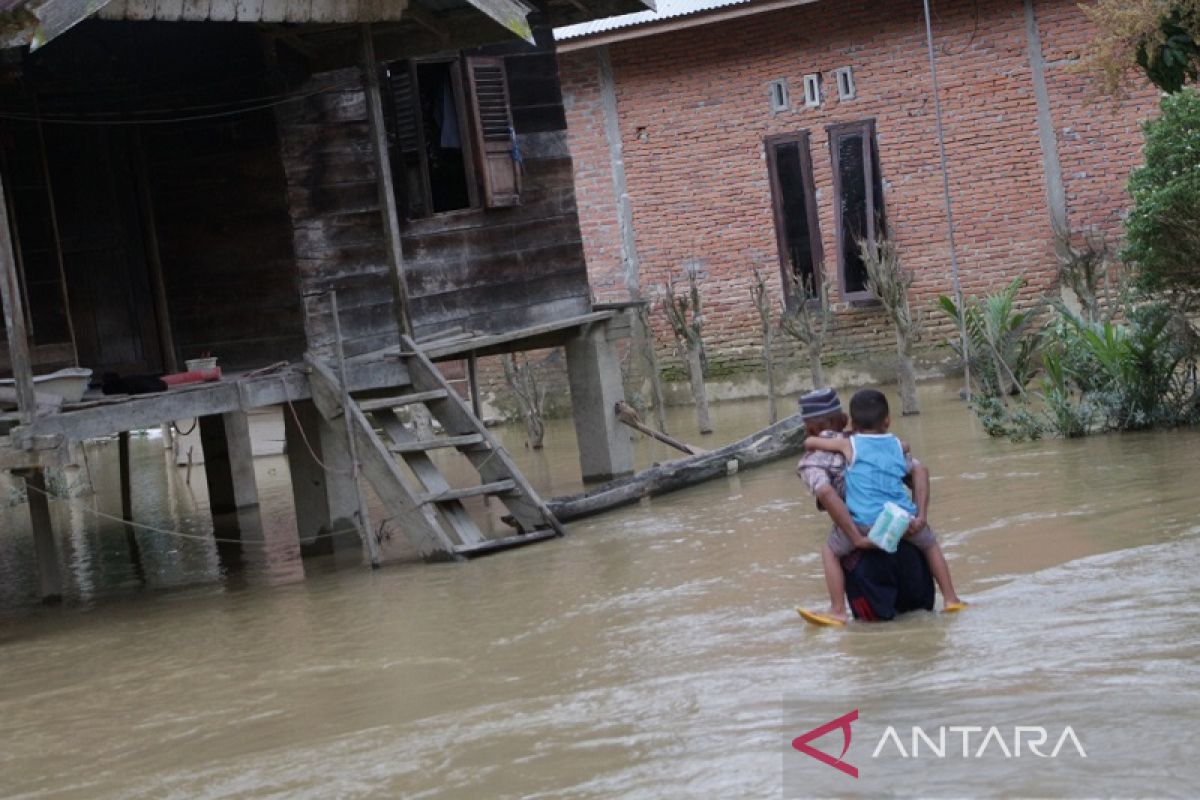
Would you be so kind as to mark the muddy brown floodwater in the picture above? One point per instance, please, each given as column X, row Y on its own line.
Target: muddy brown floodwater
column 653, row 653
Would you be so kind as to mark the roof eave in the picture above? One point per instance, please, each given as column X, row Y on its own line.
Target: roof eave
column 639, row 30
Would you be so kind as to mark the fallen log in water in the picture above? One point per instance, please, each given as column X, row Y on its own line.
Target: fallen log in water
column 783, row 439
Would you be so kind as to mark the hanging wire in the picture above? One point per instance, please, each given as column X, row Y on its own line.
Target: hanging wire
column 182, row 534
column 941, row 135
column 231, row 109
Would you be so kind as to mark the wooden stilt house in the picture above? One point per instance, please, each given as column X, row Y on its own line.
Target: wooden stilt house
column 344, row 192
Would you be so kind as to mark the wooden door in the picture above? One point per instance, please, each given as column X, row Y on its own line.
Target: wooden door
column 102, row 242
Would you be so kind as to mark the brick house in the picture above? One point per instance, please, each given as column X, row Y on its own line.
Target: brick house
column 765, row 133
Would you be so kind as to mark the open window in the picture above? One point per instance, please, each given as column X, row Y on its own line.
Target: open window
column 858, row 201
column 450, row 129
column 794, row 201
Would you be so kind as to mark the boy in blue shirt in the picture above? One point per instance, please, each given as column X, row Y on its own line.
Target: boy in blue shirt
column 876, row 465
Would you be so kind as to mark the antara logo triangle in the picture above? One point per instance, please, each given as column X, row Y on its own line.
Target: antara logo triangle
column 801, row 743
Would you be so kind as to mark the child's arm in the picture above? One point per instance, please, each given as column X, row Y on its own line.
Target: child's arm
column 830, row 444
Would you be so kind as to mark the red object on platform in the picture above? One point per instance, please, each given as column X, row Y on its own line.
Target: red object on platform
column 195, row 376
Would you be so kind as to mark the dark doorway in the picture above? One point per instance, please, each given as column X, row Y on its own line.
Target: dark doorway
column 102, row 245
column 77, row 198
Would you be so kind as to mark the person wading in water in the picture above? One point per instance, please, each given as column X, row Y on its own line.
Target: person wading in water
column 879, row 585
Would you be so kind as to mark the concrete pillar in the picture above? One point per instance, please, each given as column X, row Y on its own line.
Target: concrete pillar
column 325, row 501
column 44, row 546
column 605, row 446
column 253, row 553
column 228, row 462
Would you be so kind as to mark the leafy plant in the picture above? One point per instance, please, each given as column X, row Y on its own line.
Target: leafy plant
column 1159, row 38
column 1163, row 228
column 1002, row 341
column 1104, row 376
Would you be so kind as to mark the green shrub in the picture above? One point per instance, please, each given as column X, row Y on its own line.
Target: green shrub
column 1163, row 229
column 1002, row 342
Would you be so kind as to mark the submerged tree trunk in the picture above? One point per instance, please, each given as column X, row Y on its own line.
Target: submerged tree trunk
column 769, row 366
column 782, row 440
column 699, row 394
column 762, row 301
column 530, row 397
column 889, row 281
column 645, row 343
column 809, row 322
column 906, row 374
column 818, row 369
column 687, row 322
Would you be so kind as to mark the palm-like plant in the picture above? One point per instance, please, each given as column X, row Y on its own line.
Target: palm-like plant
column 1135, row 375
column 1003, row 342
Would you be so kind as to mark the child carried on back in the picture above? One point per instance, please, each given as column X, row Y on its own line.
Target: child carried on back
column 876, row 466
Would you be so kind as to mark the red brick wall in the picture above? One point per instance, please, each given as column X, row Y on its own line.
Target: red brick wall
column 1099, row 140
column 594, row 195
column 693, row 113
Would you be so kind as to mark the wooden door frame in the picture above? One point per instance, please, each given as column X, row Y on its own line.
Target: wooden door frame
column 801, row 139
column 866, row 129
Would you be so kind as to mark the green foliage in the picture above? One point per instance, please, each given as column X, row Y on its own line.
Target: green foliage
column 1095, row 375
column 999, row 420
column 1163, row 229
column 1159, row 38
column 1002, row 342
column 1174, row 59
column 1104, row 376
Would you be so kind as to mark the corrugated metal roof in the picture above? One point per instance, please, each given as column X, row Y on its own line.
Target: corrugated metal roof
column 667, row 9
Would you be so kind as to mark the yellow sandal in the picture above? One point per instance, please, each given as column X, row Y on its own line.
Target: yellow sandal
column 821, row 620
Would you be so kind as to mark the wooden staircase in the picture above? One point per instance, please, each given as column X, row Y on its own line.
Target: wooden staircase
column 430, row 510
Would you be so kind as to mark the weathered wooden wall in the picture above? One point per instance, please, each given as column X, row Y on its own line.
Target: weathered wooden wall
column 488, row 270
column 334, row 203
column 225, row 240
column 256, row 10
column 217, row 207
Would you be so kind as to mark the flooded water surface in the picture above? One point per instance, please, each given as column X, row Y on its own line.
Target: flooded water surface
column 654, row 652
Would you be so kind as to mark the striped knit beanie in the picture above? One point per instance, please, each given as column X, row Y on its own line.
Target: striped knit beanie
column 819, row 403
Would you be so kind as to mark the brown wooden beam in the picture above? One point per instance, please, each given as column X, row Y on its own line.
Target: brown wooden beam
column 141, row 172
column 14, row 318
column 387, row 192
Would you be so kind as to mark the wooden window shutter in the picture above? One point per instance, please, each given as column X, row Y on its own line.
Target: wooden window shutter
column 495, row 140
column 407, row 139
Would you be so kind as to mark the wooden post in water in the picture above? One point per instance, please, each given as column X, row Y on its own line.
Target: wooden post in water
column 311, row 494
column 364, row 516
column 594, row 374
column 13, row 306
column 135, row 551
column 228, row 461
column 14, row 319
column 49, row 574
